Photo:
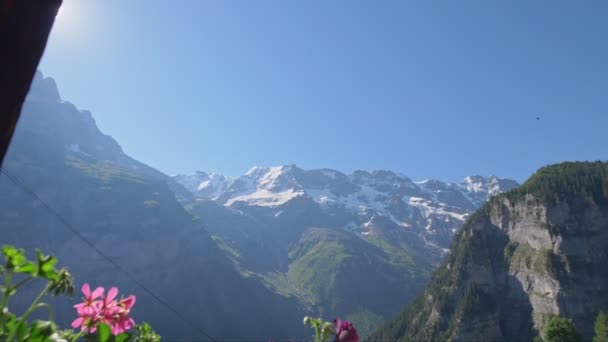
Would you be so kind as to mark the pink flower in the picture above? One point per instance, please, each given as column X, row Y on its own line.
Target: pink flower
column 345, row 331
column 109, row 299
column 90, row 303
column 127, row 303
column 107, row 310
column 84, row 323
column 122, row 321
column 109, row 306
column 123, row 324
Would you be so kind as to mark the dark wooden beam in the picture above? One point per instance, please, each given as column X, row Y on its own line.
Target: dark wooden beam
column 24, row 29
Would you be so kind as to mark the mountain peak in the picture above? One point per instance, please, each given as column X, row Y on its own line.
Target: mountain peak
column 476, row 183
column 43, row 89
column 256, row 171
column 436, row 207
column 205, row 184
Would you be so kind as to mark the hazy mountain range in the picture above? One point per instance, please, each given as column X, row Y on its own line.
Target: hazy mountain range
column 262, row 249
column 431, row 209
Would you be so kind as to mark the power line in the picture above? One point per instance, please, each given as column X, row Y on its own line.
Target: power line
column 66, row 224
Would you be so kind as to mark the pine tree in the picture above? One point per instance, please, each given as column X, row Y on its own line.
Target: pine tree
column 560, row 329
column 601, row 328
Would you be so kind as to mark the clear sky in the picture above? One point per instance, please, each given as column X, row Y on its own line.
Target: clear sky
column 432, row 89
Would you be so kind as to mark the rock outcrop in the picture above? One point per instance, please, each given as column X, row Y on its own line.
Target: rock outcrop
column 533, row 252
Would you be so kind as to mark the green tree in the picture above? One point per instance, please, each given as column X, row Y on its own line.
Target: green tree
column 560, row 329
column 601, row 328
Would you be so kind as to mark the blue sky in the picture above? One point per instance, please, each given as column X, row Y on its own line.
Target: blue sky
column 433, row 89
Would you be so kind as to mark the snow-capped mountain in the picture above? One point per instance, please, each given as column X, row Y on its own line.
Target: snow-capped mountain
column 205, row 185
column 367, row 202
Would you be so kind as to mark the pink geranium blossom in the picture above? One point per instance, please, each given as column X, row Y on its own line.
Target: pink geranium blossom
column 107, row 310
column 122, row 321
column 90, row 302
column 109, row 306
column 88, row 309
column 345, row 331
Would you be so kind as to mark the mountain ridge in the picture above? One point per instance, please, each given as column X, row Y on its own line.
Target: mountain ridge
column 526, row 255
column 196, row 181
column 378, row 191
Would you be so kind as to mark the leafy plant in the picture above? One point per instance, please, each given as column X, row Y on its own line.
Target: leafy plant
column 146, row 334
column 323, row 330
column 343, row 331
column 13, row 327
column 100, row 317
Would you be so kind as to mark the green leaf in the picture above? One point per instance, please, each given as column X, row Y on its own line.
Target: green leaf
column 104, row 332
column 35, row 333
column 28, row 268
column 122, row 337
column 41, row 331
column 10, row 327
column 46, row 266
column 21, row 330
column 146, row 334
column 14, row 257
column 145, row 328
column 9, row 251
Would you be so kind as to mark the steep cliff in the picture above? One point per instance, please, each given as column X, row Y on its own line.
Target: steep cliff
column 533, row 252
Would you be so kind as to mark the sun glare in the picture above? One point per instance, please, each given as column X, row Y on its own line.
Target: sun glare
column 60, row 12
column 69, row 23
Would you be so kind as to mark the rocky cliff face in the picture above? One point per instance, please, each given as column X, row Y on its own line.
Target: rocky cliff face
column 534, row 252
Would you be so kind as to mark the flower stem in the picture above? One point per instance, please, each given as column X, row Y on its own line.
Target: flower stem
column 21, row 283
column 32, row 307
column 78, row 336
column 38, row 299
column 7, row 290
column 48, row 307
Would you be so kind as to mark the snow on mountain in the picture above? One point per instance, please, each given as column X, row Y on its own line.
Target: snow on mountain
column 265, row 198
column 479, row 189
column 205, row 185
column 263, row 187
column 369, row 200
column 191, row 182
